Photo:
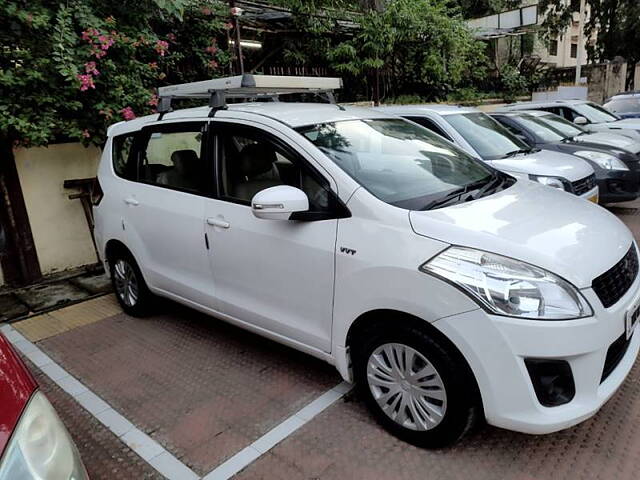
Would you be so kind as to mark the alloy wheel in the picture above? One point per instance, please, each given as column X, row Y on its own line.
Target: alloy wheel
column 126, row 282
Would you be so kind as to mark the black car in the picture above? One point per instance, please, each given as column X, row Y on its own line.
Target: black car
column 617, row 170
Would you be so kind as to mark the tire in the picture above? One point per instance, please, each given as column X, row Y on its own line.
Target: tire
column 129, row 286
column 437, row 390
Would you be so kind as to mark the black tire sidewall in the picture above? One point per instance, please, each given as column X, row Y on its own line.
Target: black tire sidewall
column 461, row 402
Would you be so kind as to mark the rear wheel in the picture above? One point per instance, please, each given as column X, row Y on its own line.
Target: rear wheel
column 129, row 286
column 415, row 386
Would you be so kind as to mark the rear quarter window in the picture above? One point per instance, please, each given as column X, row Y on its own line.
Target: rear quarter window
column 122, row 156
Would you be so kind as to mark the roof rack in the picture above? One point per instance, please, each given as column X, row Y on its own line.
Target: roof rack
column 250, row 86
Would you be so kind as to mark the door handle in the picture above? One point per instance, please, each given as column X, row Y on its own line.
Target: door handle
column 216, row 222
column 131, row 201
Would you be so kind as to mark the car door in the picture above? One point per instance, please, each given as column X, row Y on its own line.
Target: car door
column 165, row 206
column 277, row 275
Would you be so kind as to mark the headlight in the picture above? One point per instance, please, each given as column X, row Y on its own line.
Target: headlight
column 508, row 287
column 40, row 447
column 606, row 161
column 555, row 182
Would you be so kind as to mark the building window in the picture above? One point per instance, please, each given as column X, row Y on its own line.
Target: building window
column 553, row 47
column 574, row 50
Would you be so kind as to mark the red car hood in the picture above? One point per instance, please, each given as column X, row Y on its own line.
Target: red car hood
column 16, row 387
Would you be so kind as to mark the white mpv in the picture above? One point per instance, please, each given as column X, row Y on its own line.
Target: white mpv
column 447, row 290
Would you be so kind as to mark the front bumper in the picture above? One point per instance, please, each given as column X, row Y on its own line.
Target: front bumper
column 592, row 195
column 618, row 186
column 496, row 348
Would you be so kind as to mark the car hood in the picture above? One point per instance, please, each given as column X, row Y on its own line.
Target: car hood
column 610, row 139
column 543, row 226
column 545, row 162
column 628, row 127
column 16, row 387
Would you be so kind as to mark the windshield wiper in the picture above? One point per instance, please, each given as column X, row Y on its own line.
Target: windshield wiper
column 492, row 184
column 457, row 193
column 517, row 152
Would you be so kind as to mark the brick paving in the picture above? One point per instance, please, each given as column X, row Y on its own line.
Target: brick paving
column 104, row 455
column 200, row 387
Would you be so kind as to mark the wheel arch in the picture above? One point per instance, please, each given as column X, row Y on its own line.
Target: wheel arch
column 114, row 246
column 388, row 318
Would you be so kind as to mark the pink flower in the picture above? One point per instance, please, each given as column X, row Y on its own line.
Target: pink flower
column 90, row 67
column 153, row 101
column 127, row 113
column 86, row 82
column 162, row 47
column 171, row 37
column 213, row 64
column 206, row 11
column 85, row 133
column 153, row 65
column 212, row 49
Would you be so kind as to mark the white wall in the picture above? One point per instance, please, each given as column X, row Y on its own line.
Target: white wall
column 571, row 35
column 58, row 224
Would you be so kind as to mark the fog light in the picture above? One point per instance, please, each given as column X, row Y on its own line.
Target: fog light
column 552, row 381
column 615, row 186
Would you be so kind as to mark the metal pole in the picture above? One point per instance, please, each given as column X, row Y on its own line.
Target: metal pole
column 236, row 26
column 580, row 42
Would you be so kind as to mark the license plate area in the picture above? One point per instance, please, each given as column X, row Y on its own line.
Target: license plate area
column 631, row 320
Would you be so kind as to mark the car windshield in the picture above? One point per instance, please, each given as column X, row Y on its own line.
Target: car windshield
column 623, row 105
column 568, row 129
column 399, row 162
column 594, row 113
column 485, row 135
column 544, row 132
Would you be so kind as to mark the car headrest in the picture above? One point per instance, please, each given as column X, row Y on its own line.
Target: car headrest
column 256, row 159
column 185, row 160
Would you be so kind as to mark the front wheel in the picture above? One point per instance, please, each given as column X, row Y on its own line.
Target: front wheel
column 415, row 386
column 129, row 286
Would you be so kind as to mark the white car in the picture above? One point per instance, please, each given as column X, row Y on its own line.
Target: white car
column 484, row 138
column 447, row 290
column 587, row 114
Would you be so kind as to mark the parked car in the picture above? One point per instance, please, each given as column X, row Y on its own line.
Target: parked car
column 34, row 444
column 608, row 139
column 486, row 139
column 624, row 105
column 617, row 171
column 446, row 289
column 591, row 116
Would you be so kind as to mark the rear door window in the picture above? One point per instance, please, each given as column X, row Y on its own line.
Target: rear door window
column 174, row 157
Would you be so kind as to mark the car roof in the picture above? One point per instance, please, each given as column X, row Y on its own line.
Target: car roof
column 292, row 114
column 439, row 108
column 552, row 103
column 631, row 94
column 515, row 113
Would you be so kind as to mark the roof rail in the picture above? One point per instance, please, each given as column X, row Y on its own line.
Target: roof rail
column 248, row 86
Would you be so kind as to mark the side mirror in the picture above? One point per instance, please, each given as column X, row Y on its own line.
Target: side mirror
column 580, row 121
column 278, row 203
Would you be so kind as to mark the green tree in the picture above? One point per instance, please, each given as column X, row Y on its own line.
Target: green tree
column 69, row 69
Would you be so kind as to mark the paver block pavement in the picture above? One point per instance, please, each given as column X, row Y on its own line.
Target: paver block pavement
column 202, row 388
column 104, row 455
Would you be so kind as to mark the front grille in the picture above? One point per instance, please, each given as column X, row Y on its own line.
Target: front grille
column 614, row 355
column 614, row 283
column 582, row 186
